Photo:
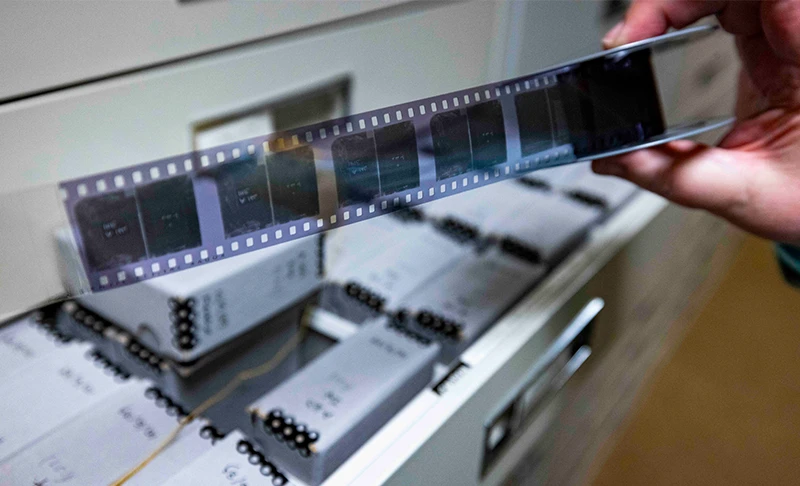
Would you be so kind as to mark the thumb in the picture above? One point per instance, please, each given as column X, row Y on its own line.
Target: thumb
column 686, row 172
column 646, row 18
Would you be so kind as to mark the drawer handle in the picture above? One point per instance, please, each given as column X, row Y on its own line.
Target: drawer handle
column 541, row 383
column 571, row 348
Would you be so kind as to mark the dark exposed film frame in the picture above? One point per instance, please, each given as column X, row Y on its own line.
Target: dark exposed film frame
column 170, row 215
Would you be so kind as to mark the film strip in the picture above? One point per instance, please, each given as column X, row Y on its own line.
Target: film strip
column 177, row 213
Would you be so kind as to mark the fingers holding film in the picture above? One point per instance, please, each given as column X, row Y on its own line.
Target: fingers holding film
column 684, row 172
column 648, row 18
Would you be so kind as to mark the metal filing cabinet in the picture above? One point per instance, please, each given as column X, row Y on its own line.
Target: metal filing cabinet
column 101, row 85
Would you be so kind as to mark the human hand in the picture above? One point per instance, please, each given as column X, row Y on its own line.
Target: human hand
column 752, row 178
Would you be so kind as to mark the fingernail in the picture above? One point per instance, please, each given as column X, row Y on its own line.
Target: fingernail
column 612, row 37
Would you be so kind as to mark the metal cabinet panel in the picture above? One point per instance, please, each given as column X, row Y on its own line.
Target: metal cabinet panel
column 49, row 44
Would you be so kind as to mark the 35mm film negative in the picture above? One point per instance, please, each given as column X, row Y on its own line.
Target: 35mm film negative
column 177, row 213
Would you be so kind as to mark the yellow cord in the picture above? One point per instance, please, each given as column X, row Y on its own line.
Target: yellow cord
column 240, row 378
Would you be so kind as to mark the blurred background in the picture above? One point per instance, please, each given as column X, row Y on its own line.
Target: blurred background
column 563, row 328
